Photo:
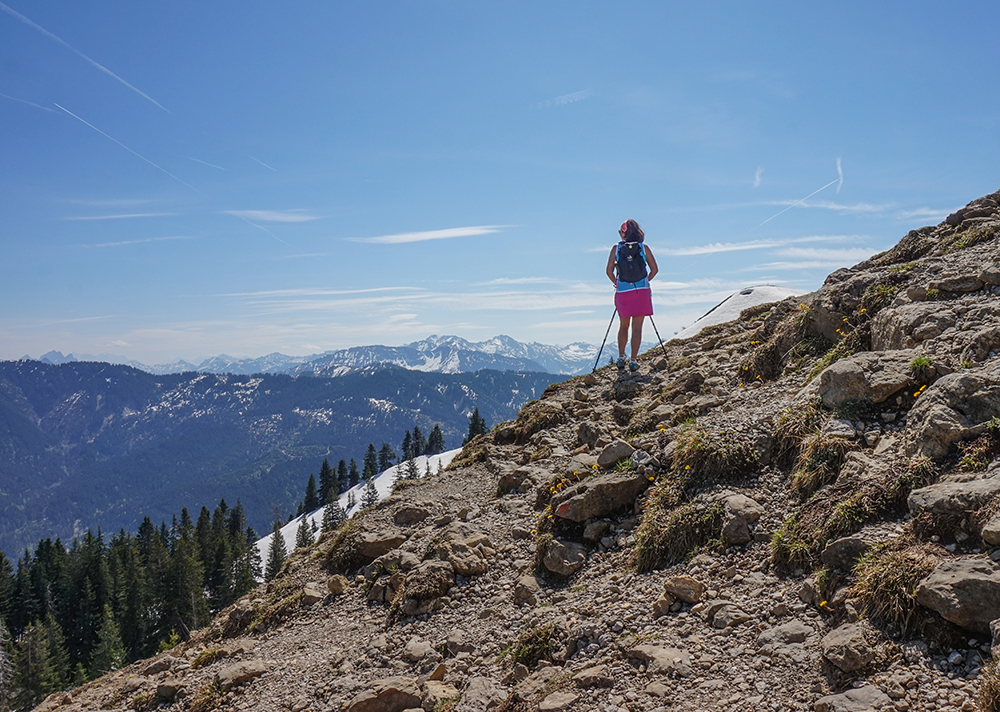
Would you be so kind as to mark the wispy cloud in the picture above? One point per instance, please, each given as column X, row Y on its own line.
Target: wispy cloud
column 565, row 99
column 204, row 163
column 139, row 242
column 840, row 174
column 757, row 176
column 843, row 255
column 445, row 234
column 717, row 247
column 522, row 280
column 924, row 214
column 18, row 16
column 122, row 216
column 276, row 216
column 29, row 103
column 842, row 207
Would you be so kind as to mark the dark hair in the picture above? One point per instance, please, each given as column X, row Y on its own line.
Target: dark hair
column 633, row 233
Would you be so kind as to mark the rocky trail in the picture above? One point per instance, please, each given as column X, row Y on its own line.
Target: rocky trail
column 796, row 510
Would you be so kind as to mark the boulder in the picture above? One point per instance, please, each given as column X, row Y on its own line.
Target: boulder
column 467, row 560
column 862, row 699
column 662, row 661
column 556, row 701
column 481, row 695
column 408, row 515
column 954, row 408
column 686, row 588
column 957, row 284
column 427, row 582
column 953, row 496
column 847, row 648
column 337, row 584
column 437, row 693
column 526, row 589
column 598, row 496
column 158, row 665
column 729, row 615
column 907, row 325
column 233, row 675
column 618, row 450
column 313, row 592
column 774, row 639
column 588, row 433
column 416, row 649
column 990, row 274
column 167, row 690
column 869, row 375
column 964, row 591
column 373, row 544
column 393, row 694
column 596, row 676
column 844, row 552
column 564, row 558
column 990, row 532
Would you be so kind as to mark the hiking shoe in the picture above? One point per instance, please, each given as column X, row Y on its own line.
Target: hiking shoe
column 633, row 365
column 621, row 363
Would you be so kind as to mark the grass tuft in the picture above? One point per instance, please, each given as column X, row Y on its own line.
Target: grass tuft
column 885, row 583
column 670, row 531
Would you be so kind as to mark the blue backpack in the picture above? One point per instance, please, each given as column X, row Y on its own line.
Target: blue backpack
column 631, row 262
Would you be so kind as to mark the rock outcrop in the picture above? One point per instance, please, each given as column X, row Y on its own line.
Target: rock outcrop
column 797, row 510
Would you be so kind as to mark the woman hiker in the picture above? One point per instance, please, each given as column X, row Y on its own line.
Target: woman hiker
column 629, row 258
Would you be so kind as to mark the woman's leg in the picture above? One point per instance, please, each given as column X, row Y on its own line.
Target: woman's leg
column 622, row 334
column 636, row 335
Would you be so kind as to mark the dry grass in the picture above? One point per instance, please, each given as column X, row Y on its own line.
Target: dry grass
column 988, row 697
column 886, row 579
column 670, row 531
column 819, row 462
column 705, row 457
column 535, row 416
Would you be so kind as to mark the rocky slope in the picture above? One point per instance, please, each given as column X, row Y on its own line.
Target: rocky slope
column 796, row 510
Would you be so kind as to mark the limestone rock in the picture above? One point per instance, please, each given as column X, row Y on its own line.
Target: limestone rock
column 313, row 592
column 953, row 409
column 158, row 665
column 481, row 695
column 237, row 674
column 564, row 558
column 416, row 649
column 686, row 588
column 957, row 283
column 596, row 676
column 953, row 496
column 844, row 552
column 408, row 515
column 437, row 693
column 862, row 699
column 662, row 661
column 964, row 591
column 774, row 639
column 467, row 560
column 618, row 450
column 393, row 694
column 526, row 588
column 427, row 582
column 168, row 689
column 557, row 701
column 598, row 496
column 869, row 375
column 847, row 648
column 373, row 544
column 337, row 584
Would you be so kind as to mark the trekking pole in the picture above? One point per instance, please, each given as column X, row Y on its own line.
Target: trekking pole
column 613, row 315
column 656, row 331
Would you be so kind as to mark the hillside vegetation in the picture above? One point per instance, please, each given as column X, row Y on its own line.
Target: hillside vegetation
column 796, row 510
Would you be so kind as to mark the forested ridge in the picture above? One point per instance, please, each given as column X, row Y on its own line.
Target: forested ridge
column 98, row 444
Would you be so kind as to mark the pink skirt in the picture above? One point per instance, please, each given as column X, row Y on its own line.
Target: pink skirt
column 634, row 302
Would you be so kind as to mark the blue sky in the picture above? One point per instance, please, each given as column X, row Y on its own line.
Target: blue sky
column 184, row 179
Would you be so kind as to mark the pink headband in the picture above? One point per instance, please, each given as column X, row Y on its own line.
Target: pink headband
column 624, row 227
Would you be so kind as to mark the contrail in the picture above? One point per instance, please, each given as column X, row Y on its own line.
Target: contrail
column 112, row 138
column 18, row 16
column 261, row 227
column 204, row 163
column 29, row 103
column 263, row 164
column 799, row 202
column 840, row 172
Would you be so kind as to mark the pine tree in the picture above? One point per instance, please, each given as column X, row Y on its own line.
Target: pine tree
column 246, row 571
column 333, row 516
column 277, row 554
column 326, row 481
column 419, row 442
column 386, row 457
column 6, row 667
column 311, row 501
column 109, row 653
column 33, row 677
column 369, row 497
column 343, row 478
column 407, row 446
column 352, row 501
column 435, row 441
column 304, row 535
column 412, row 471
column 6, row 587
column 353, row 476
column 370, row 464
column 477, row 426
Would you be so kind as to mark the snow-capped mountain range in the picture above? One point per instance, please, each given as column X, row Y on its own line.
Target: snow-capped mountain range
column 435, row 354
